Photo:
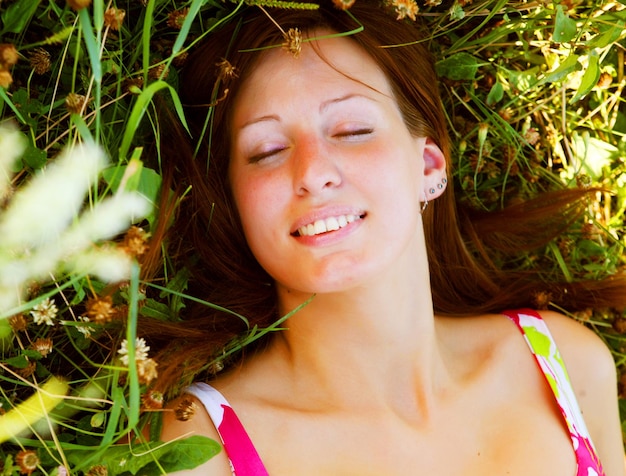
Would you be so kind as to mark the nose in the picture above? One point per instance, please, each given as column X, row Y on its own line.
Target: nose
column 315, row 168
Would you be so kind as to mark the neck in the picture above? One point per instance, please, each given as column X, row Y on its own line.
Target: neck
column 366, row 346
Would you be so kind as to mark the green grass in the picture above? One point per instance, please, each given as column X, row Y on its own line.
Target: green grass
column 533, row 94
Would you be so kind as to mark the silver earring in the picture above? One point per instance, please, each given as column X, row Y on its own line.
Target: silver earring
column 432, row 190
column 424, row 205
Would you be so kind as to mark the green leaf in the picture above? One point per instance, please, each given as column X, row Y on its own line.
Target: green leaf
column 179, row 282
column 155, row 310
column 92, row 44
column 187, row 454
column 31, row 354
column 458, row 67
column 568, row 66
column 139, row 109
column 19, row 362
column 26, row 104
column 178, row 455
column 6, row 334
column 496, row 94
column 34, row 157
column 522, row 80
column 18, row 15
column 589, row 79
column 146, row 181
column 564, row 27
column 4, row 99
column 155, row 424
column 609, row 37
column 457, row 12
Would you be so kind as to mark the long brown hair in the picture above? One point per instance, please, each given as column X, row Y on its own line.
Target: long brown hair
column 207, row 236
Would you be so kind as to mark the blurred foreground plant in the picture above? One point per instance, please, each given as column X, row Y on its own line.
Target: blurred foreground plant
column 57, row 246
column 41, row 232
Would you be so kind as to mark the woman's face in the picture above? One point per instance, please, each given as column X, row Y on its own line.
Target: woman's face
column 325, row 174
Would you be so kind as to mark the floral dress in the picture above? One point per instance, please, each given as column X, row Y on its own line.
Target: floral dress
column 245, row 460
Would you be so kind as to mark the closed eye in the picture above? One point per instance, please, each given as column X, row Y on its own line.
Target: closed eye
column 265, row 155
column 354, row 133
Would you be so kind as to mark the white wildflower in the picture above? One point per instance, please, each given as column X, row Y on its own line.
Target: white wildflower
column 45, row 312
column 106, row 263
column 147, row 371
column 12, row 146
column 141, row 350
column 9, row 299
column 84, row 330
column 107, row 219
column 52, row 199
column 42, row 230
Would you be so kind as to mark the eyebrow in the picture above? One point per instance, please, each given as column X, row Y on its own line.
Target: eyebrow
column 326, row 104
column 323, row 107
column 256, row 120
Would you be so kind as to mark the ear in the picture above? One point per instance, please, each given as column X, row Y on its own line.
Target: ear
column 435, row 179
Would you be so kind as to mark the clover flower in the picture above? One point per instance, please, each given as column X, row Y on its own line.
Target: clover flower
column 146, row 371
column 146, row 367
column 40, row 61
column 186, row 409
column 141, row 350
column 100, row 309
column 6, row 79
column 8, row 55
column 27, row 460
column 43, row 346
column 153, row 400
column 78, row 4
column 343, row 4
column 84, row 330
column 176, row 18
column 405, row 8
column 293, row 41
column 74, row 103
column 18, row 323
column 45, row 312
column 135, row 242
column 97, row 470
column 114, row 17
column 226, row 70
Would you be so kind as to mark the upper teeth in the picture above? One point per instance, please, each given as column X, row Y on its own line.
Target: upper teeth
column 328, row 224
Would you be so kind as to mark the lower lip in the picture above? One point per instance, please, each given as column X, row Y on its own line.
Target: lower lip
column 330, row 237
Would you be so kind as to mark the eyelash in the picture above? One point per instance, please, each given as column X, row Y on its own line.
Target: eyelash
column 357, row 132
column 347, row 134
column 264, row 155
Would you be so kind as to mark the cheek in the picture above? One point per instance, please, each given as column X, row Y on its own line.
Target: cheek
column 256, row 202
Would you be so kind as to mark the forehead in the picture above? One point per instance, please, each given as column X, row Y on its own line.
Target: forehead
column 325, row 67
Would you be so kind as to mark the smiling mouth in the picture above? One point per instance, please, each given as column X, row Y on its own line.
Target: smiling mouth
column 327, row 225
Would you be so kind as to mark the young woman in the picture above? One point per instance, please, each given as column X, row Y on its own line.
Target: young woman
column 323, row 186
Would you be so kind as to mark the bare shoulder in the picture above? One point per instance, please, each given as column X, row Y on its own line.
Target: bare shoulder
column 591, row 368
column 195, row 421
column 586, row 356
